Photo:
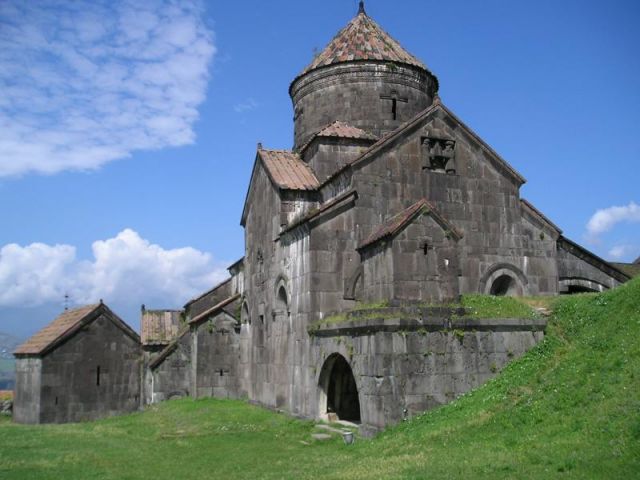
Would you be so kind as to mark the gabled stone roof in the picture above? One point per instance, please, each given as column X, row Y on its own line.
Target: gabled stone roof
column 363, row 39
column 396, row 223
column 287, row 170
column 65, row 326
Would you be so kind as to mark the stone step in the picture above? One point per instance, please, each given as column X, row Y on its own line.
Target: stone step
column 348, row 424
column 331, row 429
column 321, row 437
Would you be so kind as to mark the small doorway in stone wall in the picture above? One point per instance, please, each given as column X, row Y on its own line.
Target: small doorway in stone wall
column 338, row 391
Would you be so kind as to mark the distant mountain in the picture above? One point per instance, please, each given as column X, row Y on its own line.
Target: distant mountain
column 8, row 343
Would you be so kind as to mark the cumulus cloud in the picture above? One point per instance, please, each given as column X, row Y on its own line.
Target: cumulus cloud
column 126, row 269
column 619, row 251
column 605, row 219
column 85, row 83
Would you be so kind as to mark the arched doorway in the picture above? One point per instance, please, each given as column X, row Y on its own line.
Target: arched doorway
column 503, row 279
column 338, row 390
column 504, row 285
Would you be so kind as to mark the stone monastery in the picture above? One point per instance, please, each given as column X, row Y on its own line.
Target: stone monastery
column 357, row 243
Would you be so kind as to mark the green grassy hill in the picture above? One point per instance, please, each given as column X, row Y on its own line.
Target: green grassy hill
column 570, row 408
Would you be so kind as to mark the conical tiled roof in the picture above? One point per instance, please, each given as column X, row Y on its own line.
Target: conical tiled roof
column 363, row 39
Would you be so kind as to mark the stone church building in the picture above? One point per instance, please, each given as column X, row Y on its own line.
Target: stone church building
column 387, row 200
column 358, row 241
column 84, row 365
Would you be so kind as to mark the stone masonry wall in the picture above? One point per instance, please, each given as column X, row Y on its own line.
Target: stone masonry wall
column 26, row 404
column 72, row 388
column 172, row 377
column 410, row 369
column 351, row 93
column 217, row 359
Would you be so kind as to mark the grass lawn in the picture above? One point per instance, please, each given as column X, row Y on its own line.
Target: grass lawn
column 570, row 408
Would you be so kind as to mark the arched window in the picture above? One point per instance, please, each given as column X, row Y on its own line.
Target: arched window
column 245, row 318
column 282, row 303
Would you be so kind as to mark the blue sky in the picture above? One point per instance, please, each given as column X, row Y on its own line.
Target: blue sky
column 128, row 129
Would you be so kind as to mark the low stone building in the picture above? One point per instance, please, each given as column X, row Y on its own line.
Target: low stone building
column 84, row 365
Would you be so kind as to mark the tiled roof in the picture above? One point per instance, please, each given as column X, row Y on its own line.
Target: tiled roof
column 637, row 261
column 159, row 327
column 287, row 171
column 363, row 39
column 63, row 325
column 396, row 223
column 340, row 129
column 344, row 130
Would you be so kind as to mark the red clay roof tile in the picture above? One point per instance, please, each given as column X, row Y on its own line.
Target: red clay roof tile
column 64, row 324
column 344, row 130
column 287, row 170
column 363, row 39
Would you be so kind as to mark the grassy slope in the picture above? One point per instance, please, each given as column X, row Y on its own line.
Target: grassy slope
column 570, row 408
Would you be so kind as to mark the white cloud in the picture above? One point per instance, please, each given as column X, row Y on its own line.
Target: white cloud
column 619, row 251
column 605, row 219
column 85, row 83
column 246, row 106
column 126, row 269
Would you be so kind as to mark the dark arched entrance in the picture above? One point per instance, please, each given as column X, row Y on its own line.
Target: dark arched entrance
column 338, row 390
column 503, row 285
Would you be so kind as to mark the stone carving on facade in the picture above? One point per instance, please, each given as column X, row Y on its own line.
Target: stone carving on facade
column 438, row 150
